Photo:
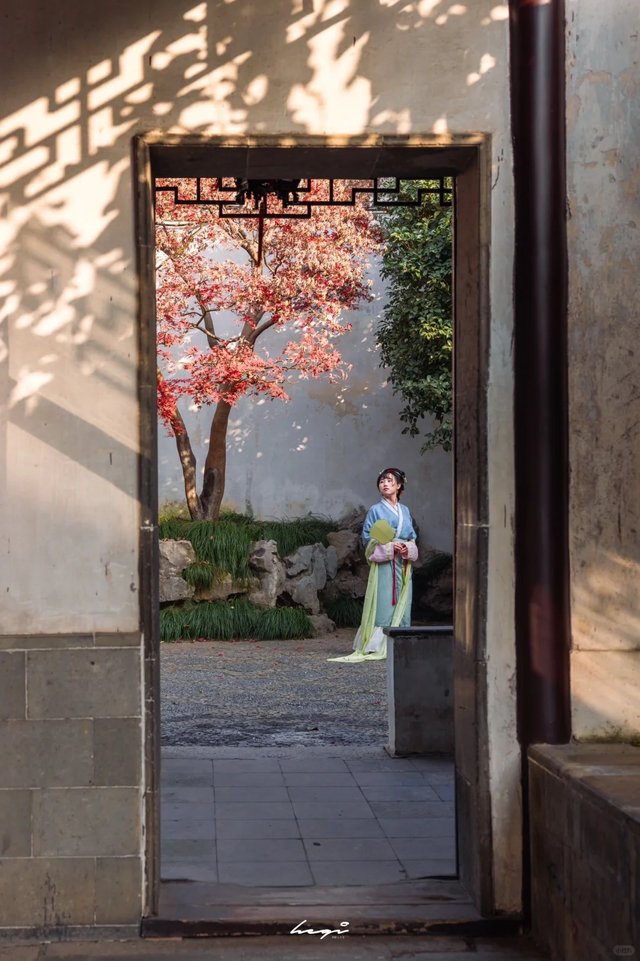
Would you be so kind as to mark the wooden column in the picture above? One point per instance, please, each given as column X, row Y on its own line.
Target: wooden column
column 541, row 443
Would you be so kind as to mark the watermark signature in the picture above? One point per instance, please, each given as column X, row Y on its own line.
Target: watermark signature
column 624, row 950
column 323, row 932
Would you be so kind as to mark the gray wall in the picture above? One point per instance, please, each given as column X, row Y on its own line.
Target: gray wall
column 603, row 118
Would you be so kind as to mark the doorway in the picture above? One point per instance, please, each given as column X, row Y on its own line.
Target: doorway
column 463, row 158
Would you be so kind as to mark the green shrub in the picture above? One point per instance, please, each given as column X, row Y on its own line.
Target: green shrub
column 345, row 611
column 227, row 620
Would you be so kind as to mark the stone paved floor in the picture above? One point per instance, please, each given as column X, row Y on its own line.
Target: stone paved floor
column 323, row 817
column 351, row 948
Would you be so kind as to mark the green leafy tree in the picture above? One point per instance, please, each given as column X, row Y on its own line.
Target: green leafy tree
column 415, row 333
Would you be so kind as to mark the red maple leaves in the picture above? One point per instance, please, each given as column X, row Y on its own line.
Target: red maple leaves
column 219, row 291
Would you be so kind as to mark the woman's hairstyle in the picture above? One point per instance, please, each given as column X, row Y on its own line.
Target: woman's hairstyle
column 399, row 475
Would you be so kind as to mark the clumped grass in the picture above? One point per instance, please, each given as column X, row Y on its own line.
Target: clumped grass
column 224, row 621
column 201, row 574
column 225, row 544
column 345, row 611
column 292, row 534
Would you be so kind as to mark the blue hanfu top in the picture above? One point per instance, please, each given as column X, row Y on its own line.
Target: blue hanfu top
column 399, row 518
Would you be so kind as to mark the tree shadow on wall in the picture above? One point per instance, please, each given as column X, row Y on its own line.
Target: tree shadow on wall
column 82, row 81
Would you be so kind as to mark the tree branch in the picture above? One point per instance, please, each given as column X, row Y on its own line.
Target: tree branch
column 260, row 330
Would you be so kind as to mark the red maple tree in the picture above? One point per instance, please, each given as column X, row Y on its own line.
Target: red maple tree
column 296, row 274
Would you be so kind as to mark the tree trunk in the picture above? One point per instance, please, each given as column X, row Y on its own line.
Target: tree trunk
column 188, row 462
column 216, row 463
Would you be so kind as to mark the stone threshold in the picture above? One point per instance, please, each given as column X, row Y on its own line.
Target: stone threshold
column 433, row 907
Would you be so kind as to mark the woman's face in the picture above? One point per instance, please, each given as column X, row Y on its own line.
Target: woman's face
column 388, row 485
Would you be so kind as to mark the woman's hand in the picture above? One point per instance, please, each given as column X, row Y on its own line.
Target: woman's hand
column 401, row 549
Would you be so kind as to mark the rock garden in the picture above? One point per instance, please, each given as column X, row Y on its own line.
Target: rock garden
column 241, row 578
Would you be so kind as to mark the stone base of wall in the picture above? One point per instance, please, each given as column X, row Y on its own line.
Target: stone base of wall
column 70, row 782
column 585, row 850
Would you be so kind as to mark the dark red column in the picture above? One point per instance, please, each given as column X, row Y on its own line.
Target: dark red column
column 540, row 345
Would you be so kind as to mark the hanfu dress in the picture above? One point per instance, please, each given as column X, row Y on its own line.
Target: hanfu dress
column 387, row 601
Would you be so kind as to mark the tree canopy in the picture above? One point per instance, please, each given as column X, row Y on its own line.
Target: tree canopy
column 222, row 284
column 415, row 333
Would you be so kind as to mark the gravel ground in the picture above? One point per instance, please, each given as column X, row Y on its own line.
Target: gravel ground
column 271, row 694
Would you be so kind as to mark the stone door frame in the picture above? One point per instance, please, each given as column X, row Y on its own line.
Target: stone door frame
column 467, row 157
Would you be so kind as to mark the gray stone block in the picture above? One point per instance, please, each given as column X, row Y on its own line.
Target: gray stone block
column 118, row 890
column 45, row 642
column 420, row 693
column 100, row 822
column 46, row 753
column 12, row 685
column 83, row 683
column 47, row 893
column 15, row 824
column 118, row 639
column 117, row 751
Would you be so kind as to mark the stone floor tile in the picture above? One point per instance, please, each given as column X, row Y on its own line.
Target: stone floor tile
column 430, row 868
column 349, row 849
column 312, row 765
column 187, row 828
column 188, row 849
column 306, row 810
column 383, row 778
column 245, row 765
column 253, row 810
column 399, row 792
column 437, row 777
column 334, row 828
column 417, row 849
column 434, row 764
column 402, row 809
column 431, row 827
column 260, row 849
column 357, row 872
column 226, row 794
column 183, row 811
column 381, row 763
column 319, row 779
column 266, row 874
column 193, row 772
column 231, row 778
column 279, row 828
column 183, row 794
column 446, row 792
column 189, row 871
column 333, row 795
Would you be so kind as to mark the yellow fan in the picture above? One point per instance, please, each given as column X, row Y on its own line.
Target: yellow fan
column 382, row 532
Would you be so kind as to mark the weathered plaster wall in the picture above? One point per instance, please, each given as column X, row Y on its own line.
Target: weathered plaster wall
column 321, row 451
column 604, row 330
column 79, row 81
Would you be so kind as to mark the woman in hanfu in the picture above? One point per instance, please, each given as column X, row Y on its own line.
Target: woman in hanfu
column 390, row 548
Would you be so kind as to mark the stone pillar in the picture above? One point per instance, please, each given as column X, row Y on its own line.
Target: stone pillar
column 420, row 690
